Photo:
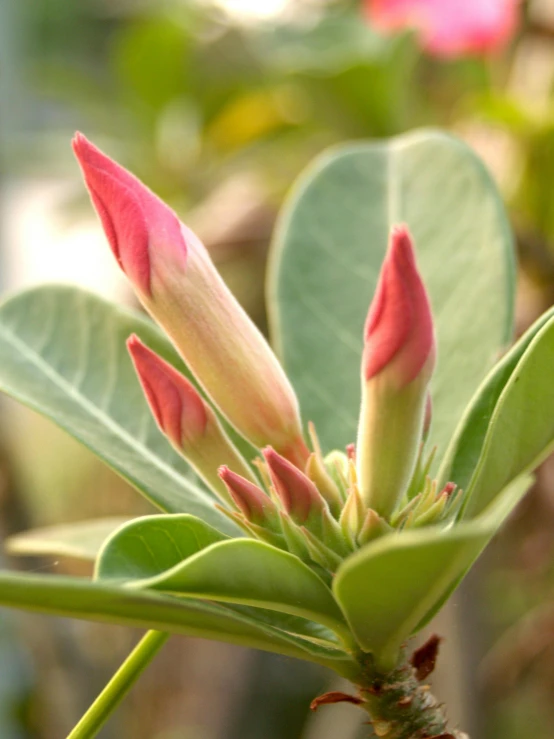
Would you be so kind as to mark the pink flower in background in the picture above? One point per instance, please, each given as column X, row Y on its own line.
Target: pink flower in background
column 449, row 27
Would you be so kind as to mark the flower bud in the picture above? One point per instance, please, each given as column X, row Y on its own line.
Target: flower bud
column 254, row 504
column 398, row 360
column 315, row 470
column 178, row 284
column 336, row 464
column 373, row 528
column 184, row 417
column 298, row 494
column 353, row 514
column 304, row 503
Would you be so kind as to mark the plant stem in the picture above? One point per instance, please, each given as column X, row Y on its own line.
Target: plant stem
column 401, row 707
column 119, row 685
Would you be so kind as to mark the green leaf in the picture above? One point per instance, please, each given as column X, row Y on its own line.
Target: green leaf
column 253, row 573
column 521, row 430
column 328, row 251
column 62, row 352
column 388, row 588
column 499, row 510
column 465, row 448
column 81, row 598
column 291, row 624
column 82, row 539
column 147, row 545
column 151, row 545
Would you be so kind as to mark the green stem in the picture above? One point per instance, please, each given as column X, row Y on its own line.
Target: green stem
column 119, row 685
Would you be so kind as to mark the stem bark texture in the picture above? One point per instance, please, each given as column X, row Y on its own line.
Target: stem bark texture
column 401, row 706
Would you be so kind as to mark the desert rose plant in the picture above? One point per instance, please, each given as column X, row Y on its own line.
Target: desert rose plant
column 326, row 513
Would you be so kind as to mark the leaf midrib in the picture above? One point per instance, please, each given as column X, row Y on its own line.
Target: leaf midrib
column 59, row 381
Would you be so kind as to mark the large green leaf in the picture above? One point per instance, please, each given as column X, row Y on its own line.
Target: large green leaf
column 499, row 510
column 463, row 454
column 82, row 539
column 62, row 352
column 291, row 624
column 157, row 552
column 81, row 598
column 151, row 545
column 328, row 250
column 521, row 430
column 251, row 573
column 388, row 588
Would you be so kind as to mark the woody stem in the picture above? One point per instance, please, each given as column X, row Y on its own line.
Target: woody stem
column 401, row 707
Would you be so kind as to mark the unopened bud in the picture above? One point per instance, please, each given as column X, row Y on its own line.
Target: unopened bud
column 254, row 504
column 315, row 470
column 353, row 514
column 184, row 417
column 373, row 528
column 298, row 494
column 398, row 361
column 178, row 284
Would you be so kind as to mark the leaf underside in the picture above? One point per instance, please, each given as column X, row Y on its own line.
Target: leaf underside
column 81, row 598
column 63, row 353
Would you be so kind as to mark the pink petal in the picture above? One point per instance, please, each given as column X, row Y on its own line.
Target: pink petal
column 450, row 27
column 296, row 491
column 131, row 215
column 176, row 404
column 248, row 498
column 399, row 324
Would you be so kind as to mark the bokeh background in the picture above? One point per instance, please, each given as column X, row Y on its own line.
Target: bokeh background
column 218, row 105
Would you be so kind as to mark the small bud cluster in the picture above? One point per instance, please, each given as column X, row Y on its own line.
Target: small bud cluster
column 319, row 513
column 424, row 503
column 320, row 508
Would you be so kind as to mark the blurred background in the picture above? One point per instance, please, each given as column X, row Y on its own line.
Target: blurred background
column 218, row 105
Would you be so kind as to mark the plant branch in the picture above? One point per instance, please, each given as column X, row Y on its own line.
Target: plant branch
column 401, row 706
column 119, row 685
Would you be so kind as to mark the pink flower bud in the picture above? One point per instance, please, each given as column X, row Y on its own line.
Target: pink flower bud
column 447, row 490
column 399, row 327
column 398, row 360
column 134, row 219
column 449, row 28
column 184, row 417
column 254, row 504
column 351, row 452
column 179, row 285
column 298, row 494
